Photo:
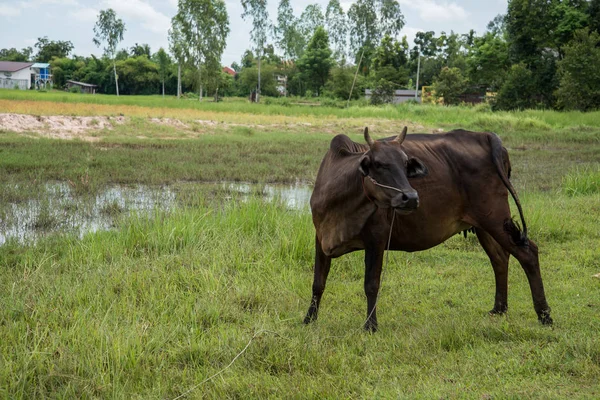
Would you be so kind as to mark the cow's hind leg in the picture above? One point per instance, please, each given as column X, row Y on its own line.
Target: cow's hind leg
column 504, row 231
column 499, row 259
column 322, row 265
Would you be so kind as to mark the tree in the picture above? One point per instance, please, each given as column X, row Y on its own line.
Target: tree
column 340, row 83
column 310, row 19
column 594, row 15
column 286, row 32
column 391, row 20
column 362, row 17
column 449, row 85
column 369, row 21
column 497, row 25
column 109, row 29
column 488, row 61
column 316, row 61
column 257, row 10
column 141, row 50
column 204, row 27
column 163, row 60
column 579, row 87
column 337, row 28
column 518, row 91
column 139, row 75
column 389, row 64
column 47, row 49
column 13, row 54
column 178, row 48
column 536, row 32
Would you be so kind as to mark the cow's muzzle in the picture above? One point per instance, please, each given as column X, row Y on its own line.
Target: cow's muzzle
column 406, row 201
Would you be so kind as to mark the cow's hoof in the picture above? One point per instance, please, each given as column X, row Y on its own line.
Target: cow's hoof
column 371, row 327
column 545, row 319
column 498, row 310
column 309, row 318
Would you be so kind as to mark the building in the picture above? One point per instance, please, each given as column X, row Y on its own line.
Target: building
column 24, row 75
column 229, row 71
column 400, row 96
column 83, row 87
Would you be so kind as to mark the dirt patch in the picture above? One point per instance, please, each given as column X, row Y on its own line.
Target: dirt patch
column 90, row 127
column 172, row 122
column 58, row 126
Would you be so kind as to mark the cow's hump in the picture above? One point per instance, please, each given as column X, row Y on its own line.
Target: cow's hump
column 342, row 145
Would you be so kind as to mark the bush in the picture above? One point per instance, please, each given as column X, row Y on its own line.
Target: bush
column 518, row 91
column 383, row 92
column 75, row 89
column 449, row 85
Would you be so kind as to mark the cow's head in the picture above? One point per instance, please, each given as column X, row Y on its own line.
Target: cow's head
column 386, row 169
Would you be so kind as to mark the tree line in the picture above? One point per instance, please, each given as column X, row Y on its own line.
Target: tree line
column 539, row 54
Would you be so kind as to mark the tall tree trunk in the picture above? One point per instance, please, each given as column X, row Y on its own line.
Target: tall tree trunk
column 258, row 92
column 199, row 83
column 116, row 78
column 163, row 87
column 178, row 80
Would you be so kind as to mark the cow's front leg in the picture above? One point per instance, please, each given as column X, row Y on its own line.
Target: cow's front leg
column 373, row 264
column 322, row 265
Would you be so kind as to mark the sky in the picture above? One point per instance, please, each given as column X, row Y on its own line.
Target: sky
column 148, row 21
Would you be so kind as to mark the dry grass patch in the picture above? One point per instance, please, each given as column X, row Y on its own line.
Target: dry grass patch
column 196, row 122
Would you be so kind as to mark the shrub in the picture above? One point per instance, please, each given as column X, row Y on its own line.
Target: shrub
column 518, row 91
column 383, row 92
column 449, row 85
column 75, row 89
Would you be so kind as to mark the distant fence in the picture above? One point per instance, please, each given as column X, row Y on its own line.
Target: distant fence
column 11, row 83
column 400, row 96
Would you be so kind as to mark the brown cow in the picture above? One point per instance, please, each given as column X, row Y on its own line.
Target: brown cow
column 438, row 186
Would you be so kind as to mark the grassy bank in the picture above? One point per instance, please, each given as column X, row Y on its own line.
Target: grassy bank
column 157, row 306
column 478, row 118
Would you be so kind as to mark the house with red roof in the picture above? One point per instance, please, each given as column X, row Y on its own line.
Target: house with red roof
column 23, row 75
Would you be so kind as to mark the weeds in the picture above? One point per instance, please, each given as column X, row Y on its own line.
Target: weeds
column 582, row 181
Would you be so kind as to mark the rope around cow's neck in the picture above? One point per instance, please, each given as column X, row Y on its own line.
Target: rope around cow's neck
column 374, row 182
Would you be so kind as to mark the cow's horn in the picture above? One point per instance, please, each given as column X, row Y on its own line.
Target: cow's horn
column 400, row 138
column 368, row 137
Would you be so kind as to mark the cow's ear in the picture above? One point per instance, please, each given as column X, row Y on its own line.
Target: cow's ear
column 415, row 168
column 363, row 165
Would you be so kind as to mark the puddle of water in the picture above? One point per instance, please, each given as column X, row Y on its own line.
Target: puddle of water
column 60, row 211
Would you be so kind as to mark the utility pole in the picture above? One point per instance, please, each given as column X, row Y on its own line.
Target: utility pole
column 418, row 71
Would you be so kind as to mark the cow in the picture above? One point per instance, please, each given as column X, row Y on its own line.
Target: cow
column 433, row 187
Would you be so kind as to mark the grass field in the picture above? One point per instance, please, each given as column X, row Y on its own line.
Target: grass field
column 156, row 306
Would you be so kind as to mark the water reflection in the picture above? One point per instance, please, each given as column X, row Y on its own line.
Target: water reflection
column 58, row 210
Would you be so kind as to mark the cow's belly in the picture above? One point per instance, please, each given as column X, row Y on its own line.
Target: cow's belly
column 423, row 239
column 422, row 231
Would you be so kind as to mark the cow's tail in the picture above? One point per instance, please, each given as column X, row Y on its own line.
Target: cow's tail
column 502, row 163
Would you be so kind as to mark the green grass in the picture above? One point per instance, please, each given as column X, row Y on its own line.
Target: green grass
column 157, row 306
column 582, row 181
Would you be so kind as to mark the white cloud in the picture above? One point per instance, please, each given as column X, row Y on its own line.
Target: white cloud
column 89, row 15
column 410, row 34
column 142, row 12
column 8, row 11
column 38, row 3
column 434, row 11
